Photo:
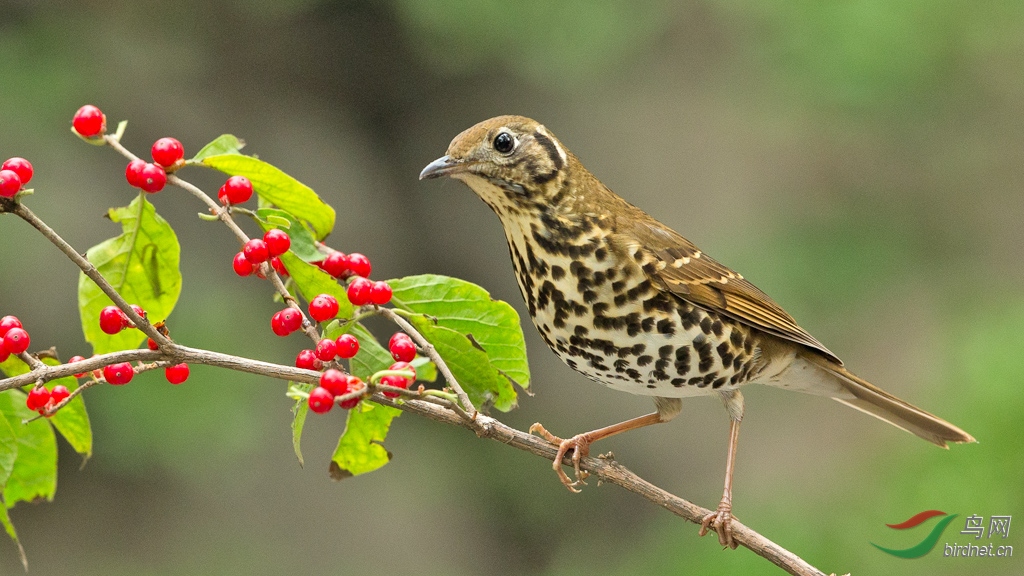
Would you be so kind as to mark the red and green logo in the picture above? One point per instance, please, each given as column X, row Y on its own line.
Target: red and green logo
column 924, row 546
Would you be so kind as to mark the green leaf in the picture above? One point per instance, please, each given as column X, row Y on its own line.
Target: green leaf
column 8, row 451
column 303, row 244
column 35, row 470
column 312, row 281
column 141, row 264
column 223, row 144
column 279, row 188
column 359, row 448
column 299, row 412
column 470, row 366
column 490, row 348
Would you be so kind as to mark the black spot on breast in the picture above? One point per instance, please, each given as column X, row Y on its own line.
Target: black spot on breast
column 705, row 325
column 661, row 375
column 618, row 286
column 601, row 308
column 716, row 327
column 557, row 272
column 735, row 338
column 599, row 278
column 589, row 296
column 581, row 331
column 725, row 354
column 661, row 364
column 665, row 351
column 621, row 365
column 678, row 382
column 718, row 383
column 638, row 349
column 644, row 360
column 633, row 373
column 578, row 270
column 600, row 254
column 647, row 324
column 666, row 326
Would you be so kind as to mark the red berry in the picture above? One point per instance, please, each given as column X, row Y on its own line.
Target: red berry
column 286, row 321
column 151, row 344
column 8, row 322
column 138, row 310
column 112, row 320
column 353, row 385
column 176, row 374
column 334, row 381
column 133, row 173
column 398, row 381
column 89, row 121
column 152, row 178
column 37, row 398
column 59, row 393
column 237, row 189
column 396, row 337
column 320, row 400
column 326, row 349
column 77, row 359
column 167, row 151
column 10, row 183
column 277, row 241
column 359, row 264
column 307, row 359
column 119, row 374
column 20, row 166
column 4, row 354
column 402, row 349
column 241, row 265
column 380, row 293
column 346, row 346
column 323, row 307
column 16, row 340
column 359, row 291
column 275, row 261
column 336, row 264
column 255, row 251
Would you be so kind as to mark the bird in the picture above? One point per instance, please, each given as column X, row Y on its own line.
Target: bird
column 631, row 304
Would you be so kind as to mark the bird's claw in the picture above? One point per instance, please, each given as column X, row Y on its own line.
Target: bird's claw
column 580, row 446
column 721, row 522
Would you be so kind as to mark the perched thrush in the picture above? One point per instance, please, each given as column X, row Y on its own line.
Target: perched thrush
column 629, row 303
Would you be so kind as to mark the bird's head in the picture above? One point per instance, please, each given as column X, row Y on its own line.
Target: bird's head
column 513, row 163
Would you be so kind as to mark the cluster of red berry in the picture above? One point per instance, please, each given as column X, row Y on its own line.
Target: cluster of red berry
column 334, row 383
column 14, row 173
column 41, row 400
column 255, row 252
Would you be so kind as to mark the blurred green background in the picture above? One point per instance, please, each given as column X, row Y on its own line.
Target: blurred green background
column 862, row 161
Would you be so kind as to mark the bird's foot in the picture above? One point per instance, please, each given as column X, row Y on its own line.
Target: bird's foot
column 721, row 522
column 580, row 446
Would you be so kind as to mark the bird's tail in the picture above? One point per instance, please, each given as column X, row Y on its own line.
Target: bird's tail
column 868, row 398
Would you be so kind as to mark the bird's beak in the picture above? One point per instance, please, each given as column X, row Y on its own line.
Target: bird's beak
column 443, row 166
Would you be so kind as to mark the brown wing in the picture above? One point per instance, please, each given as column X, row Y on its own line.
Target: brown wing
column 681, row 268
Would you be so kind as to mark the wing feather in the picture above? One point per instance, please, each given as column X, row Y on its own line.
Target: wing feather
column 677, row 266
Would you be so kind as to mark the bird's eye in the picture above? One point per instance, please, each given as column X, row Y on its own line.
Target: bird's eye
column 504, row 142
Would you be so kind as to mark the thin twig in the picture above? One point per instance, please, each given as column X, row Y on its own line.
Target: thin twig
column 89, row 270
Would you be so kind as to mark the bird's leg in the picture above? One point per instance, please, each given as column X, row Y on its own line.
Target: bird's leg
column 668, row 408
column 721, row 520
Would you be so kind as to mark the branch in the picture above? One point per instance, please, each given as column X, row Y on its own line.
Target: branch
column 612, row 472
